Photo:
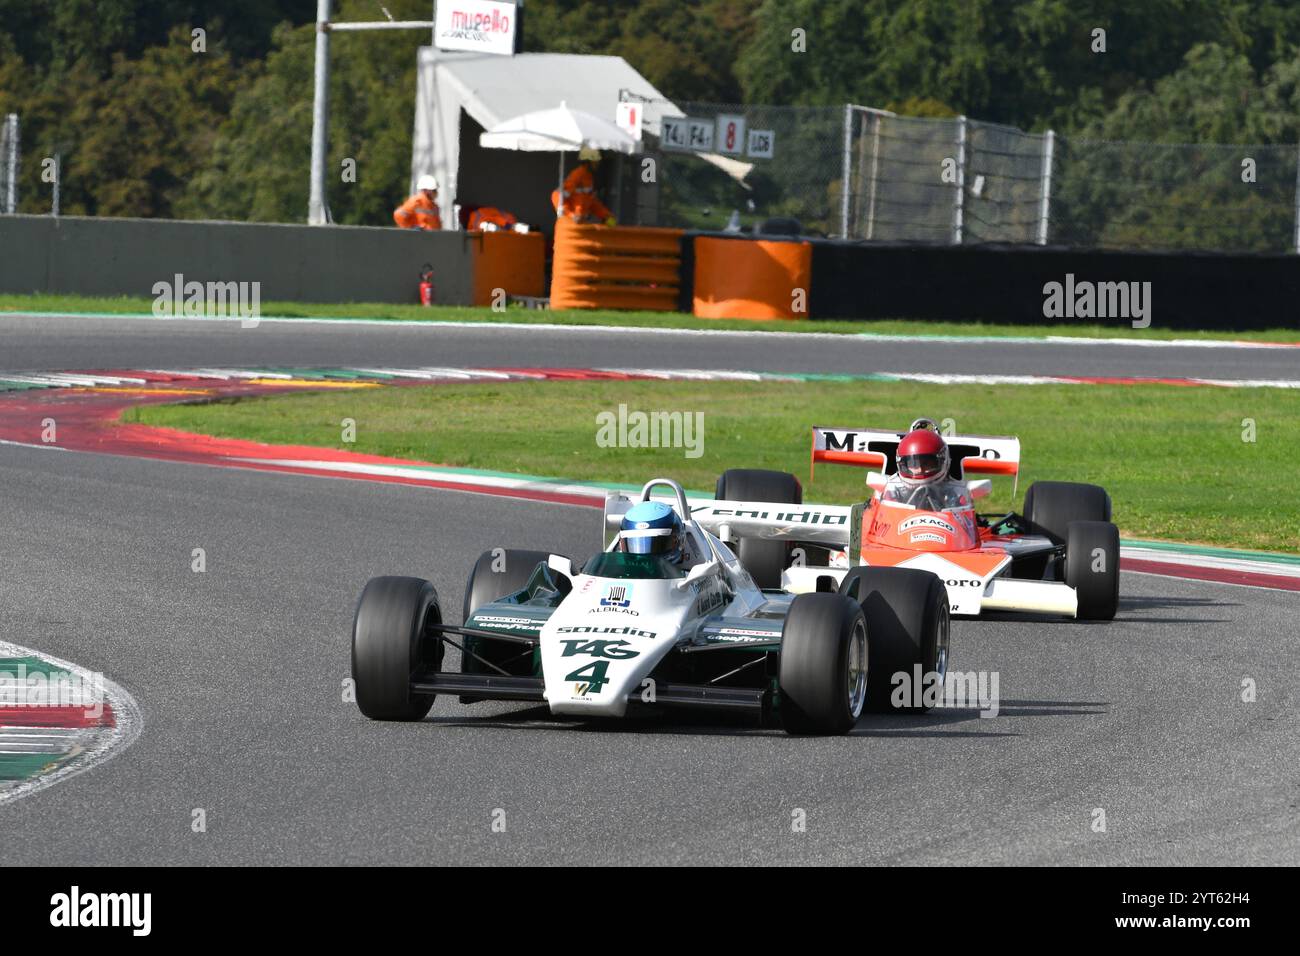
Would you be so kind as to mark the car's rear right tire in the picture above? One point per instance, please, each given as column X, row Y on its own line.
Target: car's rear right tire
column 764, row 560
column 496, row 574
column 823, row 666
column 908, row 626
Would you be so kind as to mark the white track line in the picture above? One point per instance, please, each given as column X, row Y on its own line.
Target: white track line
column 623, row 330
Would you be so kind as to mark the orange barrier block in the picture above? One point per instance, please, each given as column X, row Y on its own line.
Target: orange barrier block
column 751, row 279
column 615, row 267
column 512, row 261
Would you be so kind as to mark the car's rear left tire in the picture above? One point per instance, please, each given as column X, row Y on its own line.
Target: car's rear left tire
column 390, row 644
column 908, row 625
column 1052, row 505
column 823, row 666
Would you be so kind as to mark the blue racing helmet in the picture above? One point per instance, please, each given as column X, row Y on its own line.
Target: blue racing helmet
column 652, row 528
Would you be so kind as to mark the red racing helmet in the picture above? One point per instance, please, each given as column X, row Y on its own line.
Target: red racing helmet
column 922, row 457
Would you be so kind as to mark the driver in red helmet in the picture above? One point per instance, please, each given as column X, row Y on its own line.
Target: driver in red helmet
column 923, row 479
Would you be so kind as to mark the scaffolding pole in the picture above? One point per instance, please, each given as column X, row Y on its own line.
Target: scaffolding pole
column 316, row 214
column 318, row 206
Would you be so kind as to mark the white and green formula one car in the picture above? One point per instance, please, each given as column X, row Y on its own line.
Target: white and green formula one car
column 665, row 616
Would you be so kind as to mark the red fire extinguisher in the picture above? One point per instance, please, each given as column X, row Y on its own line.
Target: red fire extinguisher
column 426, row 285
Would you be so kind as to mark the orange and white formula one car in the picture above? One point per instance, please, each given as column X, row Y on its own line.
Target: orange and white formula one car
column 1061, row 557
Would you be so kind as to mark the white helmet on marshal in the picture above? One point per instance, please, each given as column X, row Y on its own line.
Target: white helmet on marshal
column 588, row 153
column 427, row 181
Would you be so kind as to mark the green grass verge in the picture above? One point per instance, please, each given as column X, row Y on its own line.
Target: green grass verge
column 1174, row 459
column 654, row 320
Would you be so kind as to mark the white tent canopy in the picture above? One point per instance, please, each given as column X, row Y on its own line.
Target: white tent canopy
column 494, row 89
column 562, row 129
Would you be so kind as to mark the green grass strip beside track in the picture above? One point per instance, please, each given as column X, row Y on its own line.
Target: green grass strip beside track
column 1174, row 459
column 973, row 330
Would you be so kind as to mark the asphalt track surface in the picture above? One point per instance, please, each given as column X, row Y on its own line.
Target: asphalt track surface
column 42, row 343
column 239, row 672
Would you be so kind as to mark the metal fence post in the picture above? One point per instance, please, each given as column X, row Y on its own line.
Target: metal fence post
column 959, row 205
column 848, row 170
column 875, row 173
column 11, row 164
column 1297, row 203
column 1045, row 190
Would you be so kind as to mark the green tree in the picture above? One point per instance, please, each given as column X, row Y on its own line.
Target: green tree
column 686, row 48
column 1029, row 63
column 1159, row 169
column 142, row 134
column 260, row 162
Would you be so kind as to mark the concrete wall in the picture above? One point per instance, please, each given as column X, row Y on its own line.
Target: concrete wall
column 1188, row 290
column 1005, row 283
column 89, row 256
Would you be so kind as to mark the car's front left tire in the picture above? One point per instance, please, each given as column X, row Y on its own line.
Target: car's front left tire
column 390, row 645
column 823, row 667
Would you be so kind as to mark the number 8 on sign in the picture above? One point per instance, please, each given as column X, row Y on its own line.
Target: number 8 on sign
column 731, row 134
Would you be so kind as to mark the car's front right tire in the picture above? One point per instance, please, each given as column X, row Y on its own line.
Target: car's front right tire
column 1092, row 568
column 390, row 645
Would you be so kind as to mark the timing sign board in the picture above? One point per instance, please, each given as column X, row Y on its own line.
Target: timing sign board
column 762, row 144
column 731, row 134
column 675, row 133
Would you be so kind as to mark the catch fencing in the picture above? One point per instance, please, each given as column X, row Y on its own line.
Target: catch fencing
column 964, row 181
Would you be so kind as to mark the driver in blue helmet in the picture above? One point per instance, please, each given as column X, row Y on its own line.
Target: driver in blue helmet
column 651, row 527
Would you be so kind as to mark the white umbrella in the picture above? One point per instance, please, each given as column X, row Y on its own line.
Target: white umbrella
column 561, row 130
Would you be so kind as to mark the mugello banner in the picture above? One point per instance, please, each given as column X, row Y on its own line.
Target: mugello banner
column 480, row 26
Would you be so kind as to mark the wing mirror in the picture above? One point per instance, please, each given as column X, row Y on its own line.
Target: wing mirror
column 696, row 573
column 560, row 564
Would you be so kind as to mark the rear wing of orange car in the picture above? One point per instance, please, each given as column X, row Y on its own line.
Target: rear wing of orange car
column 877, row 448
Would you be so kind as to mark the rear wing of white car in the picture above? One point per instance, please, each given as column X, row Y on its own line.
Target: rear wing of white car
column 732, row 520
column 876, row 448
